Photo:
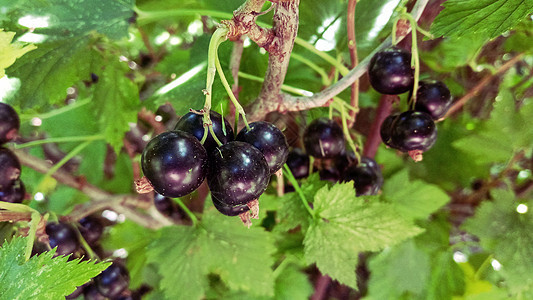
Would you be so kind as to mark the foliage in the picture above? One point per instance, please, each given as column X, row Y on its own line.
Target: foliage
column 104, row 76
column 42, row 276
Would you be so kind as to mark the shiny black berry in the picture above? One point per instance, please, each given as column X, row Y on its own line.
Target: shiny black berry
column 269, row 140
column 433, row 97
column 193, row 123
column 323, row 138
column 9, row 123
column 9, row 168
column 175, row 163
column 90, row 292
column 229, row 210
column 238, row 173
column 14, row 193
column 298, row 163
column 390, row 71
column 386, row 129
column 64, row 237
column 113, row 280
column 410, row 130
column 91, row 228
column 366, row 176
column 167, row 207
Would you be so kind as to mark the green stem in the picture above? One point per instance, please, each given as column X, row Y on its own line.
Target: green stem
column 85, row 245
column 216, row 39
column 415, row 61
column 63, row 161
column 339, row 66
column 219, row 143
column 347, row 131
column 227, row 87
column 55, row 112
column 284, row 87
column 60, row 140
column 287, row 172
column 34, row 223
column 187, row 211
column 146, row 17
column 312, row 65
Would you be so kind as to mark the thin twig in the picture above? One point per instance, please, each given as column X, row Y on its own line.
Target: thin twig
column 484, row 82
column 352, row 47
column 374, row 137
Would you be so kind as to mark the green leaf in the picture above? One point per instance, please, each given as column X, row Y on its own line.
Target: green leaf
column 487, row 18
column 507, row 234
column 134, row 239
column 10, row 51
column 41, row 277
column 63, row 56
column 451, row 54
column 413, row 199
column 293, row 284
column 292, row 212
column 398, row 270
column 115, row 102
column 184, row 256
column 347, row 225
column 446, row 279
column 506, row 132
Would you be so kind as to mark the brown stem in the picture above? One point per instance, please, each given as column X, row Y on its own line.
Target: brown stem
column 10, row 216
column 234, row 65
column 374, row 138
column 352, row 47
column 321, row 287
column 285, row 28
column 125, row 204
column 484, row 82
column 284, row 102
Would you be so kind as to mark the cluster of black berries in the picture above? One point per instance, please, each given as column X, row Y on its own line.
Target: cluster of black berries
column 11, row 187
column 390, row 73
column 113, row 282
column 238, row 171
column 324, row 140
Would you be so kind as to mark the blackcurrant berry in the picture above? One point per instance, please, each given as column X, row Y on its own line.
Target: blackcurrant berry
column 167, row 207
column 366, row 176
column 433, row 97
column 113, row 280
column 298, row 163
column 91, row 228
column 90, row 292
column 175, row 163
column 269, row 140
column 9, row 123
column 390, row 71
column 238, row 173
column 64, row 237
column 9, row 168
column 411, row 130
column 193, row 123
column 323, row 138
column 14, row 193
column 385, row 130
column 229, row 210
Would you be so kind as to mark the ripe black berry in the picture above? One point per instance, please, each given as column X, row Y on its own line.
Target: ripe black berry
column 90, row 292
column 410, row 130
column 269, row 140
column 298, row 163
column 238, row 173
column 64, row 237
column 113, row 280
column 9, row 123
column 167, row 206
column 175, row 163
column 193, row 123
column 14, row 193
column 366, row 176
column 9, row 168
column 229, row 210
column 323, row 138
column 433, row 97
column 91, row 228
column 390, row 71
